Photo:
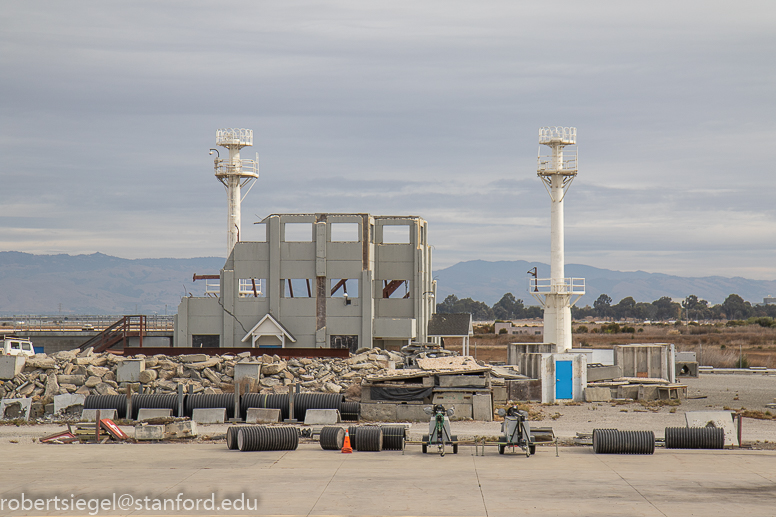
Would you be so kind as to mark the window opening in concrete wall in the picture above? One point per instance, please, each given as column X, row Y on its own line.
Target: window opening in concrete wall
column 298, row 232
column 258, row 233
column 396, row 234
column 396, row 288
column 344, row 232
column 252, row 287
column 298, row 287
column 205, row 340
column 349, row 342
column 344, row 287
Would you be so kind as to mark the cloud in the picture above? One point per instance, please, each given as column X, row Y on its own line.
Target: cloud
column 429, row 109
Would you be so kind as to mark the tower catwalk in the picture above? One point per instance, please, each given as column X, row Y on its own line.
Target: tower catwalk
column 557, row 294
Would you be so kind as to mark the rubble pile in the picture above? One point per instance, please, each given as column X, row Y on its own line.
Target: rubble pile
column 87, row 373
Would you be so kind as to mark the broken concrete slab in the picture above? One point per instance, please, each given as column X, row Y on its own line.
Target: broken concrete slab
column 129, row 370
column 262, row 416
column 12, row 409
column 482, row 407
column 149, row 432
column 63, row 402
column 187, row 429
column 723, row 419
column 603, row 373
column 462, row 381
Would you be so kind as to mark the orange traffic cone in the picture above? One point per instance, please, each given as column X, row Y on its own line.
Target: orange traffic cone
column 346, row 448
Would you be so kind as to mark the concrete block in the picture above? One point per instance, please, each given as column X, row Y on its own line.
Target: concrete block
column 129, row 370
column 77, row 380
column 149, row 432
column 90, row 415
column 482, row 407
column 11, row 366
column 63, row 402
column 628, row 391
column 452, row 397
column 647, row 392
column 603, row 373
column 262, row 416
column 378, row 412
column 246, row 371
column 322, row 417
column 209, row 415
column 411, row 413
column 529, row 390
column 598, row 394
column 187, row 429
column 682, row 357
column 429, row 381
column 723, row 419
column 686, row 369
column 462, row 412
column 461, row 381
column 499, row 394
column 146, row 413
column 15, row 408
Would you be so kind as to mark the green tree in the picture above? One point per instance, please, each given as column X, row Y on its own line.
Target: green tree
column 624, row 309
column 666, row 309
column 735, row 308
column 603, row 305
column 508, row 308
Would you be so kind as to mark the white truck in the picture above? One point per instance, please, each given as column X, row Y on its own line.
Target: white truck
column 16, row 346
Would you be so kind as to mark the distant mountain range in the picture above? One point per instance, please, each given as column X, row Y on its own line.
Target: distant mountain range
column 97, row 283
column 101, row 284
column 488, row 281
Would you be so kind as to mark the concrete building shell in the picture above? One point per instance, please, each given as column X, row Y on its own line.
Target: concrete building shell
column 365, row 289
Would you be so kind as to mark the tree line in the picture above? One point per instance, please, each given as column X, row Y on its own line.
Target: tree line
column 691, row 308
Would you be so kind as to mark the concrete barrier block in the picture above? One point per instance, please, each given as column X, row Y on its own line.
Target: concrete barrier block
column 462, row 381
column 322, row 417
column 628, row 391
column 411, row 413
column 129, row 370
column 499, row 395
column 529, row 389
column 452, row 397
column 11, row 366
column 462, row 411
column 209, row 415
column 149, row 432
column 378, row 412
column 146, row 413
column 63, row 402
column 90, row 415
column 246, row 371
column 262, row 416
column 686, row 369
column 603, row 373
column 598, row 394
column 723, row 419
column 482, row 407
column 647, row 392
column 13, row 409
column 187, row 429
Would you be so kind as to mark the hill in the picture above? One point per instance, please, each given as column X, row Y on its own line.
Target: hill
column 488, row 281
column 102, row 284
column 97, row 283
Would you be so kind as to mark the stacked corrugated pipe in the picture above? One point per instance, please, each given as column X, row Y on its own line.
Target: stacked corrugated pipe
column 613, row 441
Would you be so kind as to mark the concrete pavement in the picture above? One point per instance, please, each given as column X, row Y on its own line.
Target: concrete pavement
column 310, row 481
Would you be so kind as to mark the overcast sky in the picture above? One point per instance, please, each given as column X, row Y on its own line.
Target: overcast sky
column 426, row 108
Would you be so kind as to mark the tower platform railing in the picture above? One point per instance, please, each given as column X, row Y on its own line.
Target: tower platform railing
column 560, row 286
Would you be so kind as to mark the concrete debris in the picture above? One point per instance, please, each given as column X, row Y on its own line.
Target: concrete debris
column 85, row 373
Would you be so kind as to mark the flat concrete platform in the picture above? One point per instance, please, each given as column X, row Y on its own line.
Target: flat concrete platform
column 311, row 481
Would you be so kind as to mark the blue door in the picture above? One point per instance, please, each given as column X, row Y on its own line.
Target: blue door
column 563, row 387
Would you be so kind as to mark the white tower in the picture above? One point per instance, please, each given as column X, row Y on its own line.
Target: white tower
column 235, row 173
column 558, row 293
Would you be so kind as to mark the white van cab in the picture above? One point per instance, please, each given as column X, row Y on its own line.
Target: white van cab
column 16, row 346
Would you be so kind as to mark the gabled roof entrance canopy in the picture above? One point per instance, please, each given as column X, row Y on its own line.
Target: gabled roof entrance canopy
column 268, row 326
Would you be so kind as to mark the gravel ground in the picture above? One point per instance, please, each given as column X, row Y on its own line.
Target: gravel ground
column 752, row 392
